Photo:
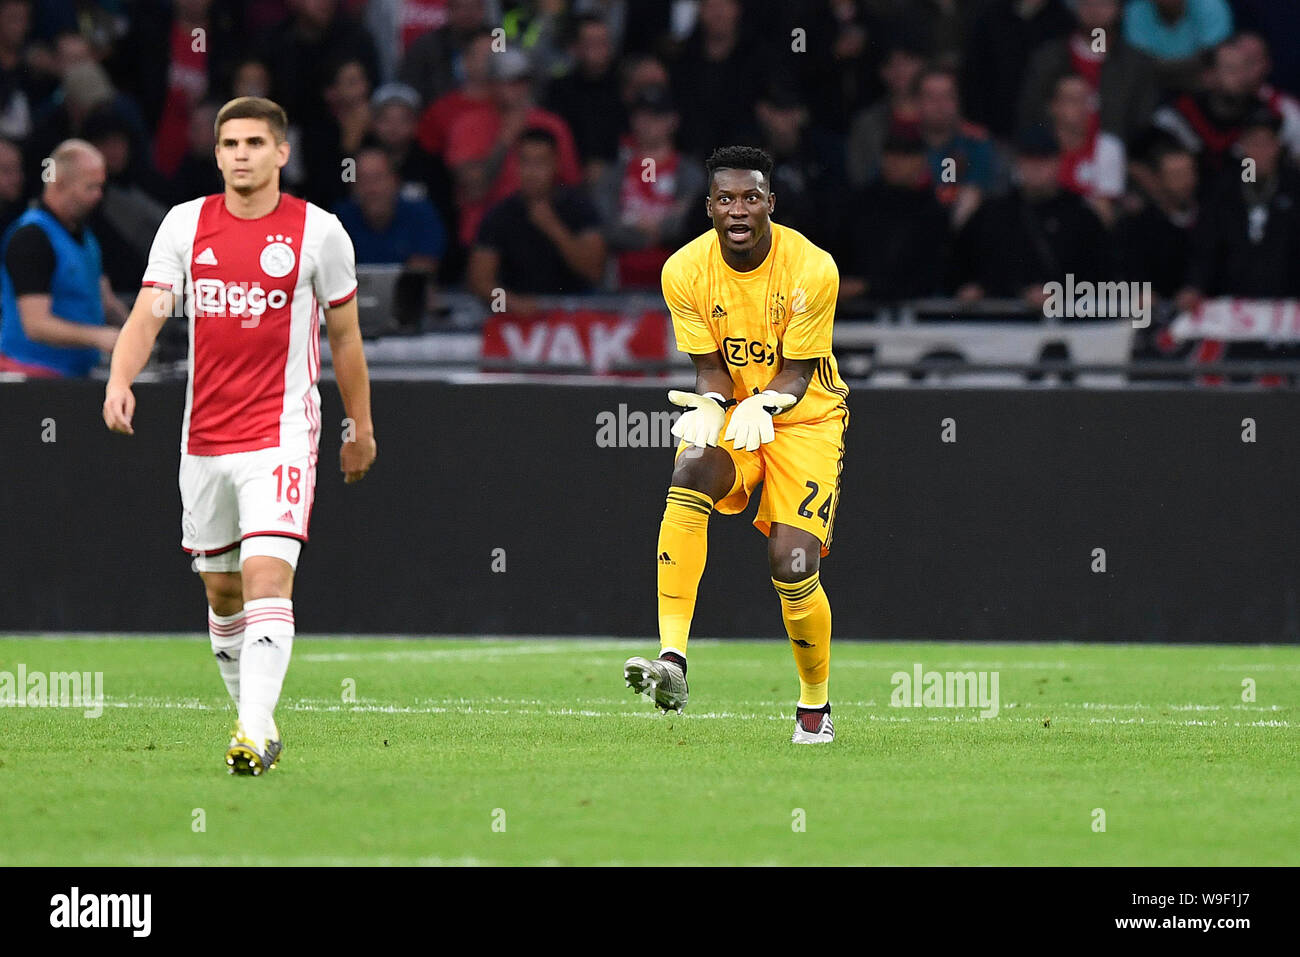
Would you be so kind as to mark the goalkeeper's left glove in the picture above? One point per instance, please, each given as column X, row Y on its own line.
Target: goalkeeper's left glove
column 751, row 422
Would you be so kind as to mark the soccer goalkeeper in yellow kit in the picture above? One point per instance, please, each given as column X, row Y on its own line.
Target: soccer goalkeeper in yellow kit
column 753, row 303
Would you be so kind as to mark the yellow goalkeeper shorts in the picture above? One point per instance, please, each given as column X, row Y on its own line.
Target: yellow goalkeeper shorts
column 799, row 471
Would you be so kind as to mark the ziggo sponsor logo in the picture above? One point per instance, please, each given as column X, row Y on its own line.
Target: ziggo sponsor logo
column 212, row 298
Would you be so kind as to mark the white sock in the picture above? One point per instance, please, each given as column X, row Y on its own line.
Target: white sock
column 227, row 635
column 268, row 643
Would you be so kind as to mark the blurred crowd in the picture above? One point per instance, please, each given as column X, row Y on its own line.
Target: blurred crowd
column 969, row 148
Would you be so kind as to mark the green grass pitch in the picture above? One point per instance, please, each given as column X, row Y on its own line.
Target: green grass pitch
column 531, row 751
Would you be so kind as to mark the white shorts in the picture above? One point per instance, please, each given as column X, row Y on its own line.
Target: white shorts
column 226, row 499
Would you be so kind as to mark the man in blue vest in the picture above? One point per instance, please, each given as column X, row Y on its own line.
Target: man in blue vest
column 56, row 301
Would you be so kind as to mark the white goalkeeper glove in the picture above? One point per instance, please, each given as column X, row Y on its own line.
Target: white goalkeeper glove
column 751, row 423
column 703, row 418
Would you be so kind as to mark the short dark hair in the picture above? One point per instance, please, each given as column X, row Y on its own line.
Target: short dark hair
column 254, row 108
column 539, row 134
column 740, row 157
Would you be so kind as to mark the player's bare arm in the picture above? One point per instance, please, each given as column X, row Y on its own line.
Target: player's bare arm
column 704, row 468
column 793, row 378
column 134, row 344
column 344, row 330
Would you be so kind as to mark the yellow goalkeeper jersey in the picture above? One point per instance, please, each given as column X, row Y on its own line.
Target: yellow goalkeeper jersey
column 783, row 309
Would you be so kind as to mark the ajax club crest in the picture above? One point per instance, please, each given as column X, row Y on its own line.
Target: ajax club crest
column 277, row 258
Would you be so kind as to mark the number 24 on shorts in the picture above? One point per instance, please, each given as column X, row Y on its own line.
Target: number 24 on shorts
column 824, row 513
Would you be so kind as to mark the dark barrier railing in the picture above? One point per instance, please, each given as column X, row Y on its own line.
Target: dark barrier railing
column 1133, row 515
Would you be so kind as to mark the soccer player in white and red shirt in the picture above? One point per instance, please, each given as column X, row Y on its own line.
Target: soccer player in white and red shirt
column 253, row 268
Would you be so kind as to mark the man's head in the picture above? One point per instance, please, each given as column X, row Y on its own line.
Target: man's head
column 1259, row 141
column 653, row 118
column 1176, row 174
column 15, row 21
column 512, row 80
column 1258, row 60
column 350, row 87
column 377, row 186
column 1231, row 74
column 900, row 68
column 640, row 73
column 902, row 160
column 11, row 172
column 719, row 18
column 476, row 58
column 1073, row 103
column 396, row 111
column 78, row 183
column 1096, row 14
column 782, row 115
column 538, row 162
column 593, row 48
column 937, row 101
column 203, row 140
column 251, row 146
column 1038, row 163
column 109, row 133
column 740, row 200
column 252, row 78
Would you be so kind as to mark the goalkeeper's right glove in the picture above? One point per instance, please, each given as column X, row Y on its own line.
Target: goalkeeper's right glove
column 703, row 418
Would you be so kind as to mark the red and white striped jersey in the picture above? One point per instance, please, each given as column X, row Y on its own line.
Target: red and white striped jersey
column 253, row 291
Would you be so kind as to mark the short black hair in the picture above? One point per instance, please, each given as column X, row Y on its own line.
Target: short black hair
column 539, row 134
column 740, row 157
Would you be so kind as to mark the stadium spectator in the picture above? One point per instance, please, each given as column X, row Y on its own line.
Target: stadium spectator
column 1175, row 33
column 395, row 25
column 56, row 302
column 716, row 79
column 901, row 205
column 395, row 110
column 21, row 90
column 808, row 175
column 1156, row 241
column 435, row 64
column 1208, row 121
column 132, row 206
column 251, row 77
column 385, row 227
column 192, row 44
column 85, row 89
column 1037, row 233
column 304, row 52
column 1247, row 242
column 997, row 55
column 895, row 112
column 1280, row 23
column 640, row 73
column 1259, row 66
column 587, row 97
column 474, row 93
column 329, row 138
column 648, row 217
column 1092, row 160
column 482, row 152
column 1122, row 77
column 11, row 184
column 545, row 238
column 197, row 174
column 963, row 161
column 844, row 78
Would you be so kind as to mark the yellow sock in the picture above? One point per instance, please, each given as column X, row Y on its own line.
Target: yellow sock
column 683, row 546
column 807, row 614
